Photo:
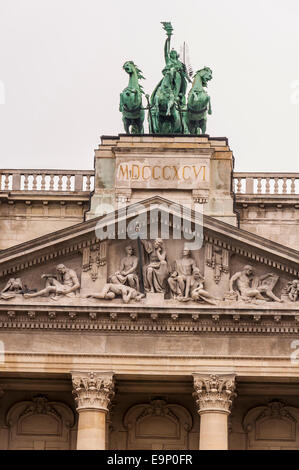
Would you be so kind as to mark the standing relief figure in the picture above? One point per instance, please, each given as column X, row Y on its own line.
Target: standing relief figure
column 127, row 274
column 249, row 287
column 65, row 283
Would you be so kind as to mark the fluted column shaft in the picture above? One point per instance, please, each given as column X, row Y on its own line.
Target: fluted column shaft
column 93, row 392
column 214, row 395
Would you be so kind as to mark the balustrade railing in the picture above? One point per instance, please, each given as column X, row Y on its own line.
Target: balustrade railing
column 266, row 183
column 83, row 180
column 47, row 180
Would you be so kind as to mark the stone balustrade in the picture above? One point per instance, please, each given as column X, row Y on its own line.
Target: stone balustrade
column 266, row 183
column 83, row 180
column 69, row 181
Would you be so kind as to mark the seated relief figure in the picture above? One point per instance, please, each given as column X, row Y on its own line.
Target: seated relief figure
column 197, row 291
column 156, row 270
column 292, row 290
column 250, row 287
column 14, row 286
column 65, row 283
column 110, row 291
column 127, row 273
column 182, row 276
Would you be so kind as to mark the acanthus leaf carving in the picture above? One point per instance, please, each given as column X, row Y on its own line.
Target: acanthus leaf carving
column 93, row 390
column 214, row 392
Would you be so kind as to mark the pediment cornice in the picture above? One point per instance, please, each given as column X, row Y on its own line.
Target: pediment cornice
column 75, row 238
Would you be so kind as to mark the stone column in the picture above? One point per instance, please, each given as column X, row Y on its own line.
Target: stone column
column 214, row 395
column 93, row 392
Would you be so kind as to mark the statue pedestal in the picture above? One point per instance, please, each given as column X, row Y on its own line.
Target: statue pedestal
column 189, row 170
column 154, row 300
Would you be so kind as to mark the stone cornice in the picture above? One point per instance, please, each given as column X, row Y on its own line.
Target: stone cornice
column 149, row 320
column 93, row 390
column 214, row 392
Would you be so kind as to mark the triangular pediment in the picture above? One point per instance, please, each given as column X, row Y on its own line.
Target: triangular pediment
column 222, row 252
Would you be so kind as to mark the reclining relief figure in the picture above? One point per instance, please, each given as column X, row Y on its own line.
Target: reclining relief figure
column 65, row 283
column 250, row 287
column 110, row 291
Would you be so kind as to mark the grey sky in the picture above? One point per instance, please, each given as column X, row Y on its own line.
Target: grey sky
column 61, row 64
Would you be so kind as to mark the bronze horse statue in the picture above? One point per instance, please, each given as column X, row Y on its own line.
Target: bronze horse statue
column 199, row 103
column 131, row 101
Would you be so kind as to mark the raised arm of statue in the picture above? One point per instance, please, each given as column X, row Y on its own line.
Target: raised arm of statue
column 167, row 49
column 167, row 26
column 161, row 254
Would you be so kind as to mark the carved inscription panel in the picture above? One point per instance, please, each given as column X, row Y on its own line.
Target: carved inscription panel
column 157, row 172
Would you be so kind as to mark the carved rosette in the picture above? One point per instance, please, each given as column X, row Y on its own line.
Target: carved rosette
column 93, row 391
column 214, row 392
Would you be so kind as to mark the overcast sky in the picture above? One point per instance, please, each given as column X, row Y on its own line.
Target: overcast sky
column 61, row 66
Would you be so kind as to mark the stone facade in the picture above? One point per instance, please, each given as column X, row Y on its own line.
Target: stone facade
column 152, row 319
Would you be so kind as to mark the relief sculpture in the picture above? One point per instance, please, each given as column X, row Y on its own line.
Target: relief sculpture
column 245, row 286
column 186, row 282
column 291, row 291
column 127, row 274
column 65, row 283
column 110, row 291
column 14, row 286
column 181, row 278
column 156, row 270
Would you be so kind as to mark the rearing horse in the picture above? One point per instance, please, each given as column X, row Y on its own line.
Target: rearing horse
column 131, row 101
column 199, row 103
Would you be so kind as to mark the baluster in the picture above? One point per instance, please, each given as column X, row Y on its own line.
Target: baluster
column 293, row 188
column 6, row 181
column 1, row 181
column 68, row 182
column 267, row 187
column 43, row 182
column 59, row 187
column 238, row 185
column 259, row 185
column 92, row 182
column 51, row 185
column 276, row 185
column 34, row 182
column 87, row 183
column 26, row 182
column 284, row 185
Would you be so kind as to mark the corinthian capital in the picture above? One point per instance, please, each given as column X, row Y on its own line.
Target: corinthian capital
column 214, row 392
column 93, row 390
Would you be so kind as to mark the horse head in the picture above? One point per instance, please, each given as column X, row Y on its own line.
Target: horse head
column 204, row 75
column 131, row 69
